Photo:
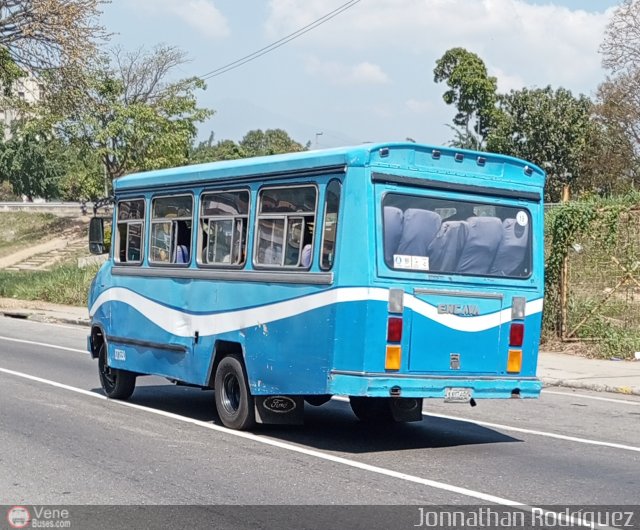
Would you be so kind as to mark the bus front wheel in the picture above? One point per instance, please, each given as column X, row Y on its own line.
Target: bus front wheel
column 371, row 409
column 117, row 384
column 234, row 402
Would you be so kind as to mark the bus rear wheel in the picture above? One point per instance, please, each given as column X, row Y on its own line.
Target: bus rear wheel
column 234, row 401
column 371, row 409
column 117, row 384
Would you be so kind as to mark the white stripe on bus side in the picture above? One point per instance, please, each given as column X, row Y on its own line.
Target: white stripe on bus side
column 184, row 324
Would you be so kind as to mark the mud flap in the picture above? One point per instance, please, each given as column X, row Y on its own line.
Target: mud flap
column 406, row 409
column 280, row 410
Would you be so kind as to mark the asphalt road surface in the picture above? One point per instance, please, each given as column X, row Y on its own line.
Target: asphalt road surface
column 63, row 443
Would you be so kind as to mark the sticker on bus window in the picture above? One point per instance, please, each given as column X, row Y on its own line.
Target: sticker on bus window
column 400, row 261
column 420, row 263
column 522, row 218
column 416, row 263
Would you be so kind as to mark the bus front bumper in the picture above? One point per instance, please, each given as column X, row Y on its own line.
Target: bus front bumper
column 430, row 386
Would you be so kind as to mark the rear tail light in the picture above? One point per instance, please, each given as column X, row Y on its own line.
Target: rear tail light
column 514, row 363
column 394, row 329
column 393, row 358
column 516, row 334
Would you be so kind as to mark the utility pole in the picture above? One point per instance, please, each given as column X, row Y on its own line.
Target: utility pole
column 317, row 135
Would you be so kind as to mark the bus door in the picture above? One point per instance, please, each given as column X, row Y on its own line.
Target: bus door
column 455, row 331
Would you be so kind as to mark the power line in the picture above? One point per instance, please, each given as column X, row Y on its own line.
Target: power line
column 281, row 42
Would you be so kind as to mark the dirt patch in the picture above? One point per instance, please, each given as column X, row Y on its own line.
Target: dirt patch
column 588, row 349
column 20, row 230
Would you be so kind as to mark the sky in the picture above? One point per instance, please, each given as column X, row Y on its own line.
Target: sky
column 365, row 75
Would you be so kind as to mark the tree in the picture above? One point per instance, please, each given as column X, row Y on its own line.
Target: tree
column 255, row 143
column 614, row 156
column 618, row 98
column 33, row 163
column 210, row 151
column 621, row 46
column 44, row 34
column 84, row 177
column 269, row 142
column 549, row 128
column 471, row 90
column 129, row 113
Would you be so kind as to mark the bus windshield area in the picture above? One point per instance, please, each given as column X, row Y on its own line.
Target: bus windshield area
column 456, row 237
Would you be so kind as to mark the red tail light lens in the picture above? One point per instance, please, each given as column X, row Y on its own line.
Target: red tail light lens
column 516, row 334
column 394, row 329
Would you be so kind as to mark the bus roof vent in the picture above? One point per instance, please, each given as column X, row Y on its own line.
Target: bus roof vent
column 384, row 152
column 528, row 171
column 435, row 154
column 481, row 160
column 459, row 157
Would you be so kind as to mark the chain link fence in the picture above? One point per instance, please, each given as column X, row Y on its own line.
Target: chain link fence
column 597, row 299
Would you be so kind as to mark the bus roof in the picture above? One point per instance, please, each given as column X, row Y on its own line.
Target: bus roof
column 406, row 155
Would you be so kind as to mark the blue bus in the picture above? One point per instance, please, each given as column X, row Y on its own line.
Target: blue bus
column 387, row 273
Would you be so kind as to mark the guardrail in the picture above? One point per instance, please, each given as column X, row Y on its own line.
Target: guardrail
column 62, row 209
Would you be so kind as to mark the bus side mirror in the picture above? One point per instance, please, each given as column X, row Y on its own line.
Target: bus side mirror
column 96, row 235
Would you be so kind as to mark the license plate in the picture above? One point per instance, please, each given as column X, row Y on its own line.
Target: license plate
column 457, row 395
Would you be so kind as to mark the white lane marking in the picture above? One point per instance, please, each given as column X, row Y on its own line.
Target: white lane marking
column 21, row 341
column 522, row 430
column 537, row 433
column 316, row 454
column 598, row 398
column 443, row 416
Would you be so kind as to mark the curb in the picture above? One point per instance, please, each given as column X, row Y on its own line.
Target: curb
column 596, row 387
column 43, row 317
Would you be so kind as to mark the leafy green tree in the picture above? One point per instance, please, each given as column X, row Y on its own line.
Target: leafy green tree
column 33, row 164
column 549, row 128
column 472, row 91
column 269, row 142
column 127, row 111
column 6, row 192
column 254, row 143
column 9, row 71
column 211, row 151
column 84, row 177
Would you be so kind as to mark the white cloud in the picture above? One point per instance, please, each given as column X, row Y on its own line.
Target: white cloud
column 201, row 15
column 522, row 43
column 506, row 82
column 338, row 73
column 418, row 106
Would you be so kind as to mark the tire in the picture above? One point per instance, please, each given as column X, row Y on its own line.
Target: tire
column 371, row 410
column 117, row 384
column 234, row 402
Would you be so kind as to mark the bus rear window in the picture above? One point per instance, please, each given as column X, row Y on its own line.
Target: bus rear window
column 456, row 237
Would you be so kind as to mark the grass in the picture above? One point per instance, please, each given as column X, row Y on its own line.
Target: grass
column 66, row 284
column 18, row 229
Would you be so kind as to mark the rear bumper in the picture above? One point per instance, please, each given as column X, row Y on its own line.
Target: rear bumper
column 429, row 386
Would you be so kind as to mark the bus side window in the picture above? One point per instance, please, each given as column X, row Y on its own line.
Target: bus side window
column 171, row 224
column 130, row 229
column 223, row 222
column 285, row 227
column 330, row 225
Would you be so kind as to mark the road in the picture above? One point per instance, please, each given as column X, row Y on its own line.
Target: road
column 63, row 443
